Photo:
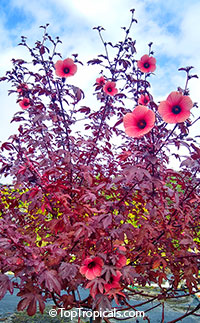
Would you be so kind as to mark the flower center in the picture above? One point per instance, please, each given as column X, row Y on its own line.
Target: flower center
column 141, row 124
column 66, row 70
column 91, row 265
column 145, row 101
column 109, row 89
column 176, row 109
column 26, row 103
column 146, row 65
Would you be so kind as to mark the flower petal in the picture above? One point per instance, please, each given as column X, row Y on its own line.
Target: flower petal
column 83, row 269
column 186, row 102
column 152, row 60
column 98, row 260
column 89, row 274
column 132, row 131
column 129, row 120
column 97, row 270
column 140, row 111
column 144, row 58
column 87, row 261
column 150, row 116
column 164, row 107
column 174, row 98
column 68, row 62
column 172, row 118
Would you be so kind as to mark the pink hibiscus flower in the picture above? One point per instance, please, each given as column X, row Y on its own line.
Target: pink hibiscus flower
column 113, row 282
column 91, row 267
column 101, row 81
column 147, row 64
column 65, row 68
column 22, row 88
column 144, row 99
column 110, row 89
column 176, row 108
column 139, row 122
column 25, row 103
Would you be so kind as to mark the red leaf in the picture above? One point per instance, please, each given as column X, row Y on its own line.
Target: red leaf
column 33, row 192
column 42, row 50
column 17, row 119
column 124, row 155
column 115, row 293
column 31, row 310
column 68, row 271
column 29, row 301
column 156, row 264
column 7, row 146
column 84, row 109
column 23, row 304
column 118, row 123
column 49, row 277
column 161, row 277
column 5, row 284
column 5, row 243
column 94, row 61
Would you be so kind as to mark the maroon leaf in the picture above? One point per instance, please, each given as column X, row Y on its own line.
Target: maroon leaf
column 94, row 61
column 7, row 146
column 68, row 271
column 5, row 284
column 29, row 301
column 51, row 282
column 84, row 109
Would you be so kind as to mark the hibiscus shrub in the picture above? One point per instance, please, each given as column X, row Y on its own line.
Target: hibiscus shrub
column 95, row 202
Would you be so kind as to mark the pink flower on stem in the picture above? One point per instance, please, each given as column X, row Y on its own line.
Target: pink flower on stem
column 139, row 122
column 147, row 64
column 22, row 87
column 176, row 108
column 144, row 99
column 113, row 282
column 65, row 68
column 101, row 81
column 91, row 267
column 25, row 103
column 110, row 89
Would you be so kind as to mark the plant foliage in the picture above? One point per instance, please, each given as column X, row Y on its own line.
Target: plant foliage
column 86, row 194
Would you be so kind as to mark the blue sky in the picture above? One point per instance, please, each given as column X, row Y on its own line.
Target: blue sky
column 172, row 25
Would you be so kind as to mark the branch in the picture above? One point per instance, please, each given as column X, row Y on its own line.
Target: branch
column 186, row 314
column 166, row 139
column 54, row 299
